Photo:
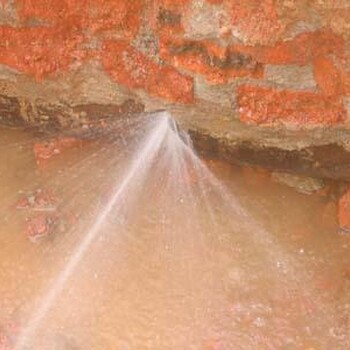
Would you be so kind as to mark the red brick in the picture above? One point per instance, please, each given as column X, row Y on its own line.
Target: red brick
column 266, row 106
column 121, row 15
column 47, row 10
column 301, row 50
column 332, row 78
column 328, row 76
column 131, row 68
column 218, row 64
column 95, row 15
column 39, row 50
column 256, row 21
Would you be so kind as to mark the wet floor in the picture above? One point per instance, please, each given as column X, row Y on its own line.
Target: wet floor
column 183, row 258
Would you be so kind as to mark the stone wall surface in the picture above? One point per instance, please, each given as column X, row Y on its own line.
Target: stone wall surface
column 265, row 81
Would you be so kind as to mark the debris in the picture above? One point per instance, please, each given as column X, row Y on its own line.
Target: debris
column 39, row 200
column 47, row 149
column 40, row 226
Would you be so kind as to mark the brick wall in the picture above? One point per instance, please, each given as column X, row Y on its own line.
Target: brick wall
column 284, row 61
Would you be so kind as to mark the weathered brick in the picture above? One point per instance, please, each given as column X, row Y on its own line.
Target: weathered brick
column 301, row 50
column 118, row 15
column 40, row 50
column 129, row 67
column 267, row 106
column 255, row 21
column 332, row 78
column 47, row 10
column 218, row 64
column 328, row 76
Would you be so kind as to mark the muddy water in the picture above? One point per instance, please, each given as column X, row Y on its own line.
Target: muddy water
column 176, row 265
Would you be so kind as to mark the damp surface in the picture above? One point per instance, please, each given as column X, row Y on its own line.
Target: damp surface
column 193, row 254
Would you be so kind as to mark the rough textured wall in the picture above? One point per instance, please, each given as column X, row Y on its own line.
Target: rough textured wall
column 259, row 81
column 277, row 61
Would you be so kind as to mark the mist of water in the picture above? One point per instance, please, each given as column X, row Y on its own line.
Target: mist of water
column 163, row 149
column 139, row 168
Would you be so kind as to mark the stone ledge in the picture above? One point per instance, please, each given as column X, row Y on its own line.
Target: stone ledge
column 329, row 161
column 317, row 152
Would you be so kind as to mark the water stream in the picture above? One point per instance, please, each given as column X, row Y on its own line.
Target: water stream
column 155, row 248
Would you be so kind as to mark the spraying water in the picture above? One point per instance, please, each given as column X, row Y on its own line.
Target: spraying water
column 185, row 212
column 141, row 162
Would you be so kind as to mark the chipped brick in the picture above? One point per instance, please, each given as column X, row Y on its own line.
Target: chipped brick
column 268, row 106
column 301, row 50
column 129, row 67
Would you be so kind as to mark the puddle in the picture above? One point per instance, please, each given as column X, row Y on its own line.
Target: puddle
column 184, row 259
